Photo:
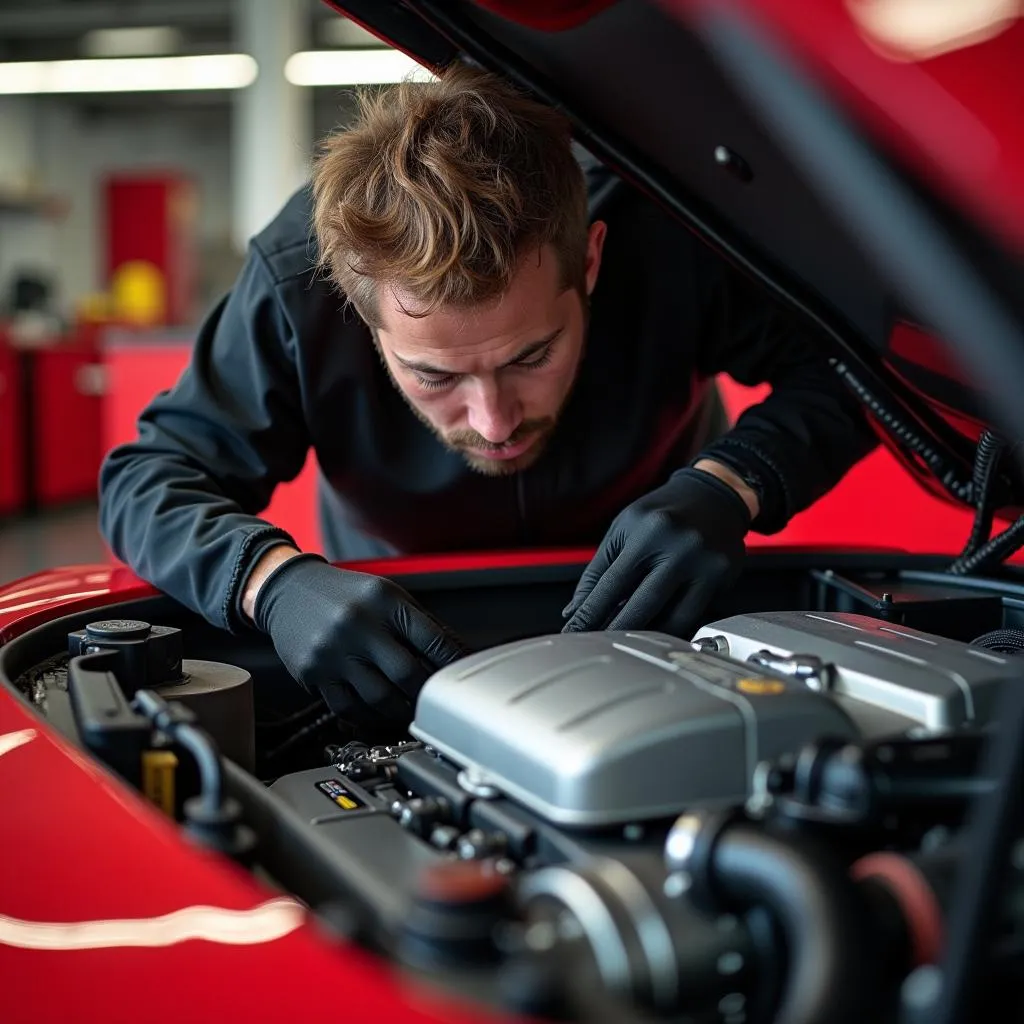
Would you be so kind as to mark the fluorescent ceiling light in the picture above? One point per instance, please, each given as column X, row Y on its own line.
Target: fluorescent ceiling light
column 353, row 67
column 129, row 74
column 143, row 41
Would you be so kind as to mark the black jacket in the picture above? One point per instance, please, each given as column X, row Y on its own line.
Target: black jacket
column 280, row 365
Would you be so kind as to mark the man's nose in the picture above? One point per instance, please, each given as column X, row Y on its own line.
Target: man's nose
column 494, row 412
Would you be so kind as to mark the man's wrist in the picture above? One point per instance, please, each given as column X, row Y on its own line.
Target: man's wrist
column 265, row 565
column 735, row 481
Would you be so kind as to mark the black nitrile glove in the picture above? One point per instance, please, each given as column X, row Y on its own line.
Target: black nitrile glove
column 352, row 635
column 663, row 558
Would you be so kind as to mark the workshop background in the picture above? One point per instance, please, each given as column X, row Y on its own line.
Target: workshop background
column 142, row 142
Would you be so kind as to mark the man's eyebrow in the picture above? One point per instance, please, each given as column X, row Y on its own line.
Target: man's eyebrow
column 532, row 349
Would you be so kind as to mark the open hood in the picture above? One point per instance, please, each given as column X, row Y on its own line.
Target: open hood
column 863, row 159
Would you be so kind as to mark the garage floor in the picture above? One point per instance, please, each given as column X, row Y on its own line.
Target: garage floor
column 65, row 537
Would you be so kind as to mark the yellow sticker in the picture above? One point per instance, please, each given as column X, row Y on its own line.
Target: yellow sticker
column 158, row 768
column 761, row 687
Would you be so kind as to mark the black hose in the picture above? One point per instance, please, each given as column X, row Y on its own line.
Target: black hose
column 989, row 555
column 196, row 741
column 200, row 745
column 818, row 909
column 904, row 436
column 986, row 459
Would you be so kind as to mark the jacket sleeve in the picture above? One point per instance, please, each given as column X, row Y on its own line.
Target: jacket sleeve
column 180, row 504
column 810, row 430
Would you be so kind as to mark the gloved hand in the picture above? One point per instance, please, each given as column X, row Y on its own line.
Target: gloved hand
column 663, row 558
column 352, row 636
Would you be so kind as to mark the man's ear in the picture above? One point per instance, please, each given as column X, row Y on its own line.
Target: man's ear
column 595, row 246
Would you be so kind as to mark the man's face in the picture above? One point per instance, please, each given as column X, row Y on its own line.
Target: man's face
column 491, row 381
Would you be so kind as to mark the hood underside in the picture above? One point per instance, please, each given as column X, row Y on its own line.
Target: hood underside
column 698, row 105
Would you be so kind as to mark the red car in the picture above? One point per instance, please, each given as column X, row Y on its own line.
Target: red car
column 803, row 813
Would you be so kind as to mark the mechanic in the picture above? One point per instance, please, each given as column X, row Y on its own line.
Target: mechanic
column 489, row 342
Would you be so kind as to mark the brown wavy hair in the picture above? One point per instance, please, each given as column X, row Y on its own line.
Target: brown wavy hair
column 439, row 189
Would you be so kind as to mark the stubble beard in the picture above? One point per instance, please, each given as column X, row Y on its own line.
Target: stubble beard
column 464, row 440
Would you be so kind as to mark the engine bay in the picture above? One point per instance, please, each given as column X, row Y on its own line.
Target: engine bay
column 760, row 822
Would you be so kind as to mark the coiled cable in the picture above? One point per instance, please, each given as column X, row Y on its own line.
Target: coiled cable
column 986, row 460
column 989, row 555
column 905, row 437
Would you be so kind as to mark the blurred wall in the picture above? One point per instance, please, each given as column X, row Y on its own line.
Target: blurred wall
column 67, row 147
column 74, row 147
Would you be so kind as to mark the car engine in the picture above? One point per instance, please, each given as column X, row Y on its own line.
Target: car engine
column 585, row 768
column 761, row 823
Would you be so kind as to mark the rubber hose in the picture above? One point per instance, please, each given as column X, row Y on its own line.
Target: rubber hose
column 986, row 459
column 997, row 550
column 195, row 740
column 904, row 436
column 818, row 909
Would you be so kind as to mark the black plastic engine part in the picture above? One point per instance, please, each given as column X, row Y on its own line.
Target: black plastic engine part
column 425, row 775
column 900, row 787
column 142, row 656
column 736, row 865
column 221, row 698
column 146, row 656
column 105, row 721
column 325, row 837
column 421, row 815
column 651, row 948
column 930, row 606
column 454, row 916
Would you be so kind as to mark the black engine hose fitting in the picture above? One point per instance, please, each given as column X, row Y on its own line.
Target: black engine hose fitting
column 812, row 899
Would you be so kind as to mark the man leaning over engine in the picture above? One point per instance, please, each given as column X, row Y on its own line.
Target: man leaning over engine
column 488, row 342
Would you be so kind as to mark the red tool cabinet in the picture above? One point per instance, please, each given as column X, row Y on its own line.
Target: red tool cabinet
column 12, row 431
column 68, row 389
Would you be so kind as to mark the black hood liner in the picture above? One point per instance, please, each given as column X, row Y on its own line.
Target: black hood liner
column 646, row 97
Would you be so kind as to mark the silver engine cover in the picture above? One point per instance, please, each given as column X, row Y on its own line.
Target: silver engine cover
column 885, row 674
column 595, row 729
column 592, row 729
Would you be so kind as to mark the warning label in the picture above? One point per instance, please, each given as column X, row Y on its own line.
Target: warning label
column 339, row 795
